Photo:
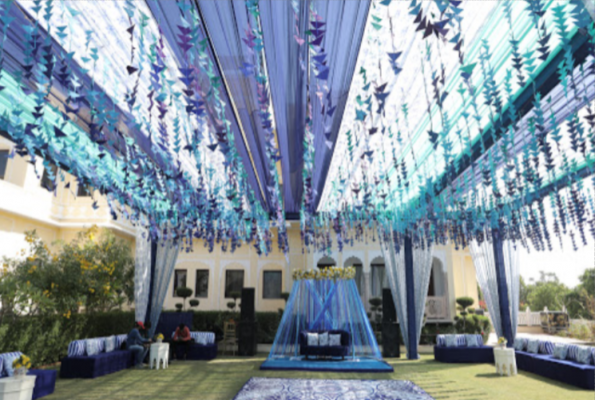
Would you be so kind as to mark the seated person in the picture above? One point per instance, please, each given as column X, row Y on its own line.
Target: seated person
column 181, row 338
column 137, row 344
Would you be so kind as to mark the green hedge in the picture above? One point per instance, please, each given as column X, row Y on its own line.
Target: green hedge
column 45, row 338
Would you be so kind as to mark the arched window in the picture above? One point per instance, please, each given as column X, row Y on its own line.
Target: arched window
column 359, row 272
column 379, row 277
column 437, row 287
column 326, row 262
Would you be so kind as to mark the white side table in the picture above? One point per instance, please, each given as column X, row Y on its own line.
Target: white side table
column 505, row 361
column 17, row 388
column 159, row 353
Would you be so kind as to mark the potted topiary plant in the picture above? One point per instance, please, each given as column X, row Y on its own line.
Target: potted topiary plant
column 179, row 307
column 184, row 292
column 194, row 303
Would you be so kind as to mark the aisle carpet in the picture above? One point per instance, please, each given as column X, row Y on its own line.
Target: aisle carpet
column 330, row 389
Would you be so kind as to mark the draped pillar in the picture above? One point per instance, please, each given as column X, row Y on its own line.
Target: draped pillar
column 166, row 255
column 496, row 266
column 142, row 273
column 408, row 267
column 366, row 289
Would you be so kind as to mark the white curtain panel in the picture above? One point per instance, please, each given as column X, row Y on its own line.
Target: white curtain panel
column 142, row 272
column 395, row 270
column 485, row 267
column 167, row 255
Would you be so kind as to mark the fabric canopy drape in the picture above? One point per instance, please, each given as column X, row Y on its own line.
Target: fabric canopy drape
column 165, row 261
column 486, row 270
column 142, row 273
column 394, row 259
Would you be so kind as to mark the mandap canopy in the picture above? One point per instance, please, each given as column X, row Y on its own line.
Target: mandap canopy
column 429, row 121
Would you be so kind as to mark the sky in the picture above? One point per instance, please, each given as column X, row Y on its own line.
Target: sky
column 566, row 263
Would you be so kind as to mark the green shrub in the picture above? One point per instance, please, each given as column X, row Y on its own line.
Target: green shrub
column 194, row 303
column 465, row 302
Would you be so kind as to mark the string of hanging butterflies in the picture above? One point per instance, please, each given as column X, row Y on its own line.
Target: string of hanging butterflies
column 454, row 158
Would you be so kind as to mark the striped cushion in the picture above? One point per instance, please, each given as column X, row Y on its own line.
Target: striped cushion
column 520, row 344
column 546, row 347
column 1, row 366
column 440, row 340
column 119, row 340
column 572, row 352
column 593, row 355
column 76, row 348
column 93, row 347
column 101, row 344
column 7, row 359
column 461, row 342
column 203, row 337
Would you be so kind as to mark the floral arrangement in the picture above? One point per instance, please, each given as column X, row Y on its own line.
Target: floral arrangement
column 333, row 273
column 21, row 362
column 159, row 336
column 502, row 341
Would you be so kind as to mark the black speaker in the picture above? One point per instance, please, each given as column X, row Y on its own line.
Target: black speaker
column 247, row 306
column 389, row 313
column 390, row 329
column 247, row 338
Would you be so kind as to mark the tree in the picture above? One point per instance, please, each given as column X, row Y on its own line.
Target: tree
column 588, row 281
column 550, row 294
column 184, row 292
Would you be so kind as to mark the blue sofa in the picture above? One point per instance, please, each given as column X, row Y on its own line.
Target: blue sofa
column 80, row 365
column 325, row 351
column 45, row 381
column 461, row 353
column 568, row 371
column 203, row 347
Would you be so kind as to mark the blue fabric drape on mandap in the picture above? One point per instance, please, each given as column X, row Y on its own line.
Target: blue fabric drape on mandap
column 142, row 273
column 410, row 300
column 487, row 270
column 165, row 261
column 325, row 305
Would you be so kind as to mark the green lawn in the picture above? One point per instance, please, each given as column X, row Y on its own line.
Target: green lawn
column 223, row 377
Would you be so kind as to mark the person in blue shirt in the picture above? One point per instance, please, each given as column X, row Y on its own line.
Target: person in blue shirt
column 137, row 344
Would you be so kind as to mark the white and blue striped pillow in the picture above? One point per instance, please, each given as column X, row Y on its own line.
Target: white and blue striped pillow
column 520, row 344
column 120, row 339
column 93, row 346
column 203, row 337
column 461, row 342
column 1, row 366
column 593, row 355
column 572, row 352
column 7, row 359
column 546, row 347
column 110, row 343
column 76, row 348
column 440, row 340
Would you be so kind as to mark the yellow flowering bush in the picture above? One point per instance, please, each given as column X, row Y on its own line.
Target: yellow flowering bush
column 22, row 362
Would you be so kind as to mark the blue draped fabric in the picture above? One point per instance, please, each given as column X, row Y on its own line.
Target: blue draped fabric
column 322, row 305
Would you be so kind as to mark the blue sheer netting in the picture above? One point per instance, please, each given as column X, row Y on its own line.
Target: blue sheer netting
column 326, row 304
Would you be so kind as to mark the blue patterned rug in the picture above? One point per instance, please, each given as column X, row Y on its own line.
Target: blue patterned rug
column 330, row 389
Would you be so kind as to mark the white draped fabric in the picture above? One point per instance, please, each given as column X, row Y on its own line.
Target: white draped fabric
column 142, row 273
column 395, row 269
column 485, row 267
column 167, row 255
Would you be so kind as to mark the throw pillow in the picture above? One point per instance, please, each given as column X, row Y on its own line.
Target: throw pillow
column 450, row 340
column 560, row 351
column 120, row 340
column 546, row 347
column 572, row 352
column 110, row 344
column 472, row 341
column 312, row 339
column 323, row 339
column 91, row 347
column 76, row 348
column 519, row 344
column 592, row 355
column 533, row 346
column 8, row 358
column 583, row 355
column 335, row 340
column 1, row 367
column 440, row 341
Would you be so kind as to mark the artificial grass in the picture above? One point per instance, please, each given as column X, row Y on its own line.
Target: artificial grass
column 222, row 378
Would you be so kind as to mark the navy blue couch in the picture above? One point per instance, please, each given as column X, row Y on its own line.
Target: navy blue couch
column 566, row 371
column 45, row 381
column 325, row 351
column 462, row 353
column 199, row 351
column 97, row 365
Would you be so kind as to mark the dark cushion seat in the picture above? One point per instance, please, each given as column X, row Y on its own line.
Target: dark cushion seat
column 482, row 354
column 97, row 365
column 45, row 382
column 566, row 371
column 198, row 351
column 329, row 351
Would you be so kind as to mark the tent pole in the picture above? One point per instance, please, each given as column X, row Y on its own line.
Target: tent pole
column 503, row 300
column 410, row 283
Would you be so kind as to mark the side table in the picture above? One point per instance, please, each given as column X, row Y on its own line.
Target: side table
column 505, row 361
column 17, row 388
column 159, row 353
